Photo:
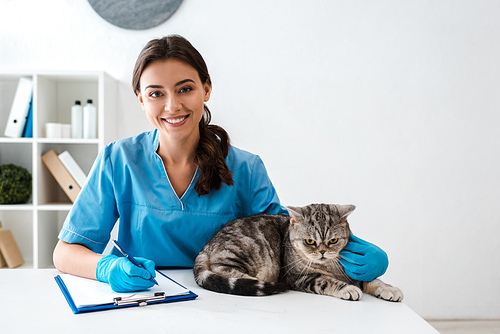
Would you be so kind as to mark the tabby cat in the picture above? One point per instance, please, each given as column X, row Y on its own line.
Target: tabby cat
column 267, row 254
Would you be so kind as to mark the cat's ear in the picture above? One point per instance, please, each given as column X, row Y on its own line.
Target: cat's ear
column 345, row 210
column 295, row 213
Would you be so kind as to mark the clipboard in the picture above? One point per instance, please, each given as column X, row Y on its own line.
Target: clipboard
column 86, row 295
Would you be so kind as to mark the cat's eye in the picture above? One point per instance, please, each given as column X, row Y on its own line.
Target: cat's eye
column 310, row 242
column 333, row 241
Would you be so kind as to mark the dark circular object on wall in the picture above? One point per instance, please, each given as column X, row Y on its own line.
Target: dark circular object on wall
column 135, row 14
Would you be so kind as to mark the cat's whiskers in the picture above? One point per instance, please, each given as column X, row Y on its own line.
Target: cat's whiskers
column 340, row 269
column 292, row 265
column 303, row 275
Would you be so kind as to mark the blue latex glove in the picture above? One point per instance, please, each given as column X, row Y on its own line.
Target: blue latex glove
column 123, row 275
column 362, row 260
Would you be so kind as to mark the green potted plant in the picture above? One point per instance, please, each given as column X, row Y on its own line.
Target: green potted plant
column 15, row 184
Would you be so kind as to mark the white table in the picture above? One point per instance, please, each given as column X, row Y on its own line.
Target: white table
column 30, row 301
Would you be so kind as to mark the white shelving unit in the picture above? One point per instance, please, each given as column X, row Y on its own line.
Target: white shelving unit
column 36, row 224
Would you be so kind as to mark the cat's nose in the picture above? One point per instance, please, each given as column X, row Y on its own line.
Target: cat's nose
column 322, row 251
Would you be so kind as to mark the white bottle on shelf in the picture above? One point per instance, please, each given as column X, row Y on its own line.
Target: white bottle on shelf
column 77, row 120
column 89, row 120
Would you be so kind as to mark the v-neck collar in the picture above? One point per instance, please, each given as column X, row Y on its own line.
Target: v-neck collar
column 155, row 145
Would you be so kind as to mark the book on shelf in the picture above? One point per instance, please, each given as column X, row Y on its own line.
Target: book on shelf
column 9, row 251
column 2, row 261
column 61, row 175
column 73, row 168
column 20, row 109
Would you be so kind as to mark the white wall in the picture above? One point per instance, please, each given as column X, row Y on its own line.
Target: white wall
column 389, row 105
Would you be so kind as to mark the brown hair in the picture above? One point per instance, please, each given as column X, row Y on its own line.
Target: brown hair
column 214, row 143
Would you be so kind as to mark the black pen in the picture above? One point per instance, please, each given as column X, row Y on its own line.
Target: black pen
column 131, row 259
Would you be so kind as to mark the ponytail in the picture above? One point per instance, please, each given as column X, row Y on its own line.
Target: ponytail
column 211, row 154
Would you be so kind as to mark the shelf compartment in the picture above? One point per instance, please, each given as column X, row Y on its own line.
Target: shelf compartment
column 20, row 223
column 19, row 154
column 49, row 225
column 57, row 94
column 49, row 190
column 8, row 87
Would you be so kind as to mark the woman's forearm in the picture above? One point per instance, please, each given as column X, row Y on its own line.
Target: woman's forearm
column 75, row 259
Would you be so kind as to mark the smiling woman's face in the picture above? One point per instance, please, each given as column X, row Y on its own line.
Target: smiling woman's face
column 173, row 97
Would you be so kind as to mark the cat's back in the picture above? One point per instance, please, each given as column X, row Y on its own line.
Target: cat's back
column 260, row 227
column 260, row 223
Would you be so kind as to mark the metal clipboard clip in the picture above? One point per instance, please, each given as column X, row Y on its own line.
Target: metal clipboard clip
column 139, row 299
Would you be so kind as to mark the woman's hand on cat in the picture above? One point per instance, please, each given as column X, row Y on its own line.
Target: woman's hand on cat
column 362, row 260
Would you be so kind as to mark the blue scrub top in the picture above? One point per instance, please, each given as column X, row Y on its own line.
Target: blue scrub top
column 128, row 183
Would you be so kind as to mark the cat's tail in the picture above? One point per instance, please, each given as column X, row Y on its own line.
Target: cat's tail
column 236, row 286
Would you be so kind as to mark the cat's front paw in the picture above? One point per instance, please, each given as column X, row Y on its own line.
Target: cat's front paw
column 349, row 292
column 390, row 293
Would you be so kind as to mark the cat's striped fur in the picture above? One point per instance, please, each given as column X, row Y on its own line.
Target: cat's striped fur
column 267, row 254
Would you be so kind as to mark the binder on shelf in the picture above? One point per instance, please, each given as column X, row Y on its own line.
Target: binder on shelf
column 9, row 249
column 73, row 168
column 28, row 127
column 87, row 295
column 20, row 108
column 61, row 174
